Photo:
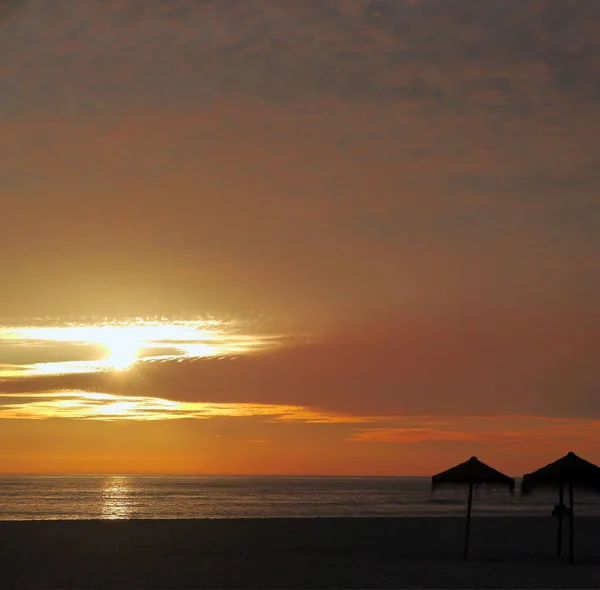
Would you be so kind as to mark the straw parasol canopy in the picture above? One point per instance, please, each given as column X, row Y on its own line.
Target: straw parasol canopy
column 472, row 473
column 567, row 472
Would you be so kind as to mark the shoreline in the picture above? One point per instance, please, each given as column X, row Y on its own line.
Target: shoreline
column 474, row 516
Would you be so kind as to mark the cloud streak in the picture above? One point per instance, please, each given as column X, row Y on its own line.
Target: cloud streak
column 64, row 348
column 517, row 364
column 80, row 405
column 512, row 431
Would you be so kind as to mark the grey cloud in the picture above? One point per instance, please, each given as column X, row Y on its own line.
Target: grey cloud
column 351, row 50
column 470, row 90
column 417, row 90
column 9, row 7
column 542, row 186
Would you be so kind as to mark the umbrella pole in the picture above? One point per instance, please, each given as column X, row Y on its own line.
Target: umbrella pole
column 560, row 521
column 469, row 504
column 571, row 518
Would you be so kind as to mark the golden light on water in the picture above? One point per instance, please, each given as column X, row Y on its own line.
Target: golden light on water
column 116, row 498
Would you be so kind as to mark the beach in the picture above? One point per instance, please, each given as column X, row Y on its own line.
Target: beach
column 506, row 552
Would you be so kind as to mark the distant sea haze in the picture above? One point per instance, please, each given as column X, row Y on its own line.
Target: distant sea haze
column 85, row 497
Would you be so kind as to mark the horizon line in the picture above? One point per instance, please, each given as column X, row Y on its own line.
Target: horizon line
column 315, row 475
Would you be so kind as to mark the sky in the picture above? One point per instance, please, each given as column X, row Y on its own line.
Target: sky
column 305, row 237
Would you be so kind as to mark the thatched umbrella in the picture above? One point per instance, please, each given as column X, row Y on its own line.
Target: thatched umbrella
column 568, row 472
column 472, row 473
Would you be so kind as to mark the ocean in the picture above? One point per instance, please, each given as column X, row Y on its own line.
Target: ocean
column 59, row 497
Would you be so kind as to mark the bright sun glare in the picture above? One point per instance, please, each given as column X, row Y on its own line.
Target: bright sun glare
column 122, row 346
column 123, row 342
column 116, row 345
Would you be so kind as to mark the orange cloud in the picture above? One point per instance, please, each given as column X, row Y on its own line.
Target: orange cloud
column 83, row 405
column 534, row 431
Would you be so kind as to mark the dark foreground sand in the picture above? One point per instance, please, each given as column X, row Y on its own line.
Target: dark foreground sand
column 295, row 553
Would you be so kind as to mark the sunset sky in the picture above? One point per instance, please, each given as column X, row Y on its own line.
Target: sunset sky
column 298, row 236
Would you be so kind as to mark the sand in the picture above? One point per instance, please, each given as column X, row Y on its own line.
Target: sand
column 507, row 552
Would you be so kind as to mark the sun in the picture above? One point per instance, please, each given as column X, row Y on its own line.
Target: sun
column 121, row 354
column 123, row 346
column 116, row 345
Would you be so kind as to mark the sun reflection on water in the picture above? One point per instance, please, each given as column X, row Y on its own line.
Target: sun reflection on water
column 117, row 498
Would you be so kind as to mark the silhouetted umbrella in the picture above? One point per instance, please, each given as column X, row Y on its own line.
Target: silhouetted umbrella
column 472, row 473
column 570, row 471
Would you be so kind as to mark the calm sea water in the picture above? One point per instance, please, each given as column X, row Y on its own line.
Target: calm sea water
column 113, row 497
